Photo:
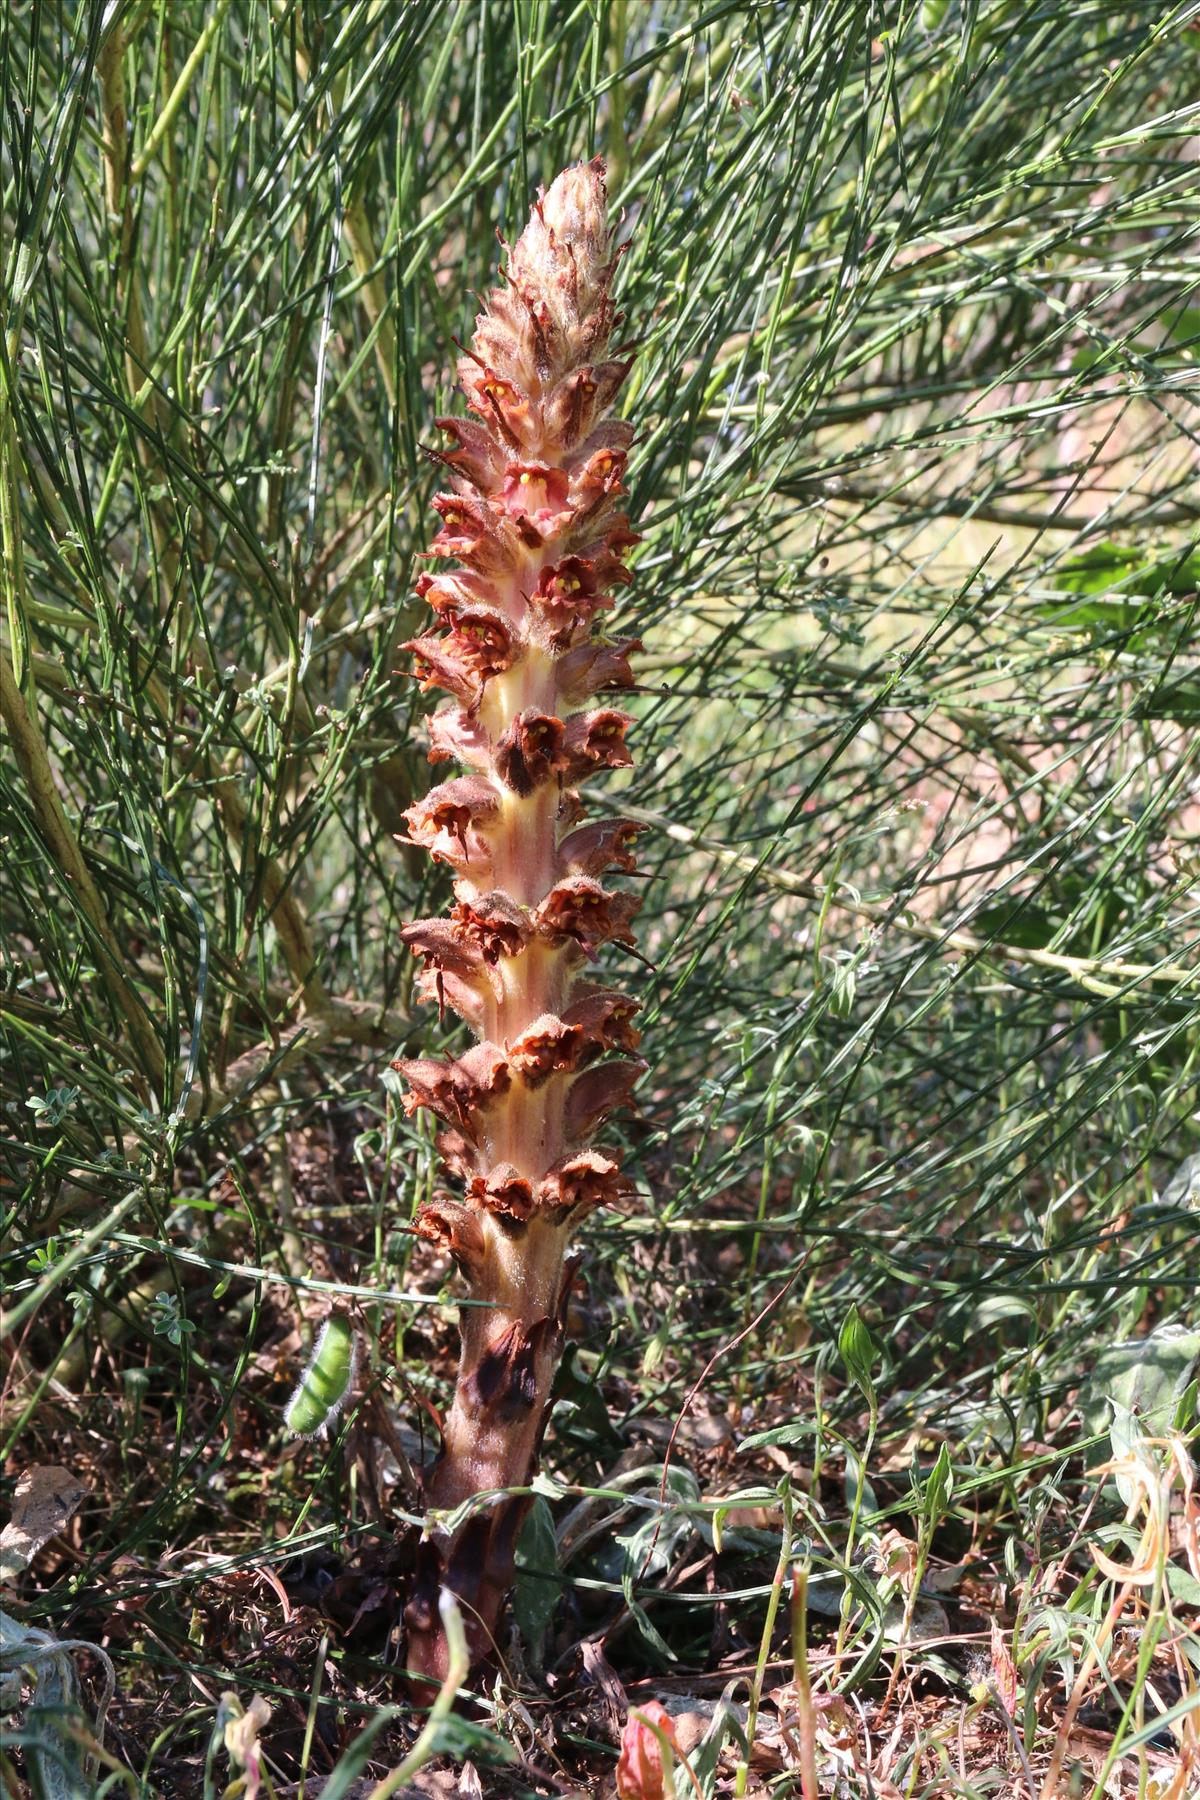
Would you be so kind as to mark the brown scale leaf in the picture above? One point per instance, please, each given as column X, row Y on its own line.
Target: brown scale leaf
column 457, row 1090
column 476, row 457
column 589, row 668
column 453, row 1227
column 454, row 736
column 581, row 908
column 491, row 923
column 582, row 1182
column 604, row 844
column 503, row 1190
column 596, row 740
column 531, row 751
column 599, row 1091
column 449, row 819
column 447, row 948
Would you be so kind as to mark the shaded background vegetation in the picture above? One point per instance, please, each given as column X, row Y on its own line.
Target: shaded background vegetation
column 915, row 292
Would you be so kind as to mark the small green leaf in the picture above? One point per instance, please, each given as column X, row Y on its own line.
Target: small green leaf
column 1099, row 569
column 1185, row 1589
column 843, row 986
column 538, row 1585
column 858, row 1351
column 651, row 1544
column 1146, row 1377
column 794, row 1433
column 53, row 1107
column 1103, row 575
column 655, row 1351
column 167, row 1319
column 939, row 1486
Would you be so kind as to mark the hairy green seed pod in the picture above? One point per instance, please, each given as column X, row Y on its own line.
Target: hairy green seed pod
column 325, row 1382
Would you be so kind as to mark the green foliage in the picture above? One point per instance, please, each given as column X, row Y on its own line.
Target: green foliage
column 915, row 295
column 538, row 1588
column 859, row 1352
column 166, row 1319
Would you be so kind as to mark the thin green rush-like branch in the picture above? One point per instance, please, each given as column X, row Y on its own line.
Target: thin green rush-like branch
column 81, row 1255
column 1087, row 971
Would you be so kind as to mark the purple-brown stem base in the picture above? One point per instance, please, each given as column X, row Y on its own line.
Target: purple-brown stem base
column 491, row 1439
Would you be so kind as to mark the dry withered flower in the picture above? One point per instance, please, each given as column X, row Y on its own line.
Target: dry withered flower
column 643, row 1768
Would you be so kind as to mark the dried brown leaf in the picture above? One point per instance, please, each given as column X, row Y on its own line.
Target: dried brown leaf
column 45, row 1498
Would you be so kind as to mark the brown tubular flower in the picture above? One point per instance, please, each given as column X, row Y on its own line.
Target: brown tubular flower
column 534, row 527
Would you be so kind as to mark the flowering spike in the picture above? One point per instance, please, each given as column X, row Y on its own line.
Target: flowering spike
column 533, row 526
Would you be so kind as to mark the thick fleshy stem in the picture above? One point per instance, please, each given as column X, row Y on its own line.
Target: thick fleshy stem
column 534, row 528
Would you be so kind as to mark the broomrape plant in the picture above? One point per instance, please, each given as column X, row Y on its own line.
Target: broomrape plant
column 534, row 528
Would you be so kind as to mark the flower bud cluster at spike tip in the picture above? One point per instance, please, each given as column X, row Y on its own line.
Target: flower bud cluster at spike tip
column 529, row 551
